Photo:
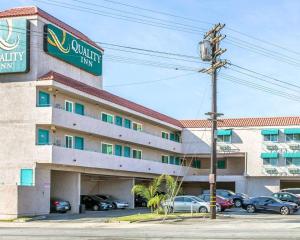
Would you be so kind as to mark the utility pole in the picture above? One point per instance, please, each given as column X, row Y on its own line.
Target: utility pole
column 210, row 51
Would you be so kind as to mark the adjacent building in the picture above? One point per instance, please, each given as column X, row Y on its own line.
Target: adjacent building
column 64, row 136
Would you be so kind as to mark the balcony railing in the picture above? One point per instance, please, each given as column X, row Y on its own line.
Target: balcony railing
column 59, row 106
column 291, row 170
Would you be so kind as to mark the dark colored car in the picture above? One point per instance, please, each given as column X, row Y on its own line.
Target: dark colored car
column 140, row 201
column 269, row 204
column 225, row 203
column 287, row 197
column 116, row 203
column 94, row 203
column 237, row 198
column 292, row 190
column 59, row 206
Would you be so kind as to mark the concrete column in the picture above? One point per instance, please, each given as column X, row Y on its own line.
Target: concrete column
column 66, row 186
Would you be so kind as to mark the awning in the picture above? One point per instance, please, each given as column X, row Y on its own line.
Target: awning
column 269, row 155
column 224, row 132
column 291, row 155
column 272, row 131
column 292, row 131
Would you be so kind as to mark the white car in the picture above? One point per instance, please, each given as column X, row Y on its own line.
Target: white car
column 188, row 203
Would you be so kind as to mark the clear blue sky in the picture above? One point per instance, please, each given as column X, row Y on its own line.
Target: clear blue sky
column 188, row 97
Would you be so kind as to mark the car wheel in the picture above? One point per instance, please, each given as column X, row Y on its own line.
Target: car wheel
column 237, row 203
column 203, row 210
column 250, row 209
column 284, row 211
column 114, row 206
column 96, row 208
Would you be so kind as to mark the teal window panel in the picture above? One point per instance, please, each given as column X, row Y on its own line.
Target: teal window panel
column 43, row 137
column 177, row 161
column 107, row 148
column 293, row 161
column 292, row 131
column 270, row 131
column 269, row 155
column 44, row 99
column 164, row 159
column 79, row 143
column 119, row 121
column 224, row 138
column 79, row 108
column 224, row 132
column 172, row 160
column 172, row 136
column 127, row 123
column 107, row 118
column 165, row 135
column 221, row 164
column 68, row 106
column 69, row 141
column 271, row 137
column 270, row 161
column 291, row 155
column 118, row 150
column 137, row 154
column 197, row 163
column 177, row 137
column 26, row 178
column 127, row 151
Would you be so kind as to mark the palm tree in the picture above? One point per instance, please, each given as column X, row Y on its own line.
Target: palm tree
column 150, row 193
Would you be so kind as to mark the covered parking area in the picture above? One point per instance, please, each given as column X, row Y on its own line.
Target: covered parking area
column 196, row 188
column 290, row 183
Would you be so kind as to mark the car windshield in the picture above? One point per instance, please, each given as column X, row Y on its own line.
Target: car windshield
column 96, row 198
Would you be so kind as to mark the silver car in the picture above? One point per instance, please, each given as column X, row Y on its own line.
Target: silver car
column 187, row 203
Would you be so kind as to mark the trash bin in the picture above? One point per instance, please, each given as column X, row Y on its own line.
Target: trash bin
column 81, row 208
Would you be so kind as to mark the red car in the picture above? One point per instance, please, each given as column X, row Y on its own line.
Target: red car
column 225, row 203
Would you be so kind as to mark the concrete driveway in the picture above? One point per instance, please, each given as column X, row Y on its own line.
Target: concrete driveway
column 93, row 216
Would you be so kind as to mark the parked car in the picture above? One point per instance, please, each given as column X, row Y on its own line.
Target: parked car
column 292, row 190
column 237, row 198
column 116, row 203
column 186, row 203
column 140, row 201
column 287, row 197
column 94, row 203
column 60, row 206
column 225, row 203
column 269, row 204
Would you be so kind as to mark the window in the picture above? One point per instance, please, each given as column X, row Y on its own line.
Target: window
column 172, row 136
column 221, row 164
column 165, row 159
column 137, row 126
column 107, row 118
column 43, row 137
column 270, row 161
column 69, row 141
column 172, row 160
column 79, row 108
column 293, row 161
column 293, row 137
column 107, row 148
column 165, row 135
column 118, row 150
column 197, row 163
column 26, row 178
column 177, row 161
column 127, row 151
column 137, row 154
column 177, row 137
column 271, row 138
column 119, row 121
column 44, row 99
column 79, row 143
column 127, row 123
column 68, row 106
column 224, row 138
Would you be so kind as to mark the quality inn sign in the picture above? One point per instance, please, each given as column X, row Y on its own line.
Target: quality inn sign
column 14, row 46
column 60, row 44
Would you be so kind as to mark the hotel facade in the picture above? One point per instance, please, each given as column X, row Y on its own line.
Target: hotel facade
column 63, row 136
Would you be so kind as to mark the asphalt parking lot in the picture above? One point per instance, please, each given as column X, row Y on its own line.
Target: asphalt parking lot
column 233, row 224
